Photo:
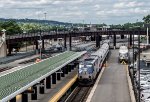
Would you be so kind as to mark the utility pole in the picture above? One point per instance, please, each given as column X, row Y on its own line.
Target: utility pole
column 45, row 15
column 139, row 93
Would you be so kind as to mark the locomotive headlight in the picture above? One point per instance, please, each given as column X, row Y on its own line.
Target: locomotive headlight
column 80, row 77
column 89, row 77
column 88, row 65
column 126, row 55
column 81, row 66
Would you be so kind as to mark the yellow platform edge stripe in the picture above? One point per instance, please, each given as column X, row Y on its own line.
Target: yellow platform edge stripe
column 61, row 92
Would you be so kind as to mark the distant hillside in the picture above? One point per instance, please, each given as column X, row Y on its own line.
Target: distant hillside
column 49, row 22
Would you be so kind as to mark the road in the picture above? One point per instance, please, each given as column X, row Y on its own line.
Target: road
column 113, row 86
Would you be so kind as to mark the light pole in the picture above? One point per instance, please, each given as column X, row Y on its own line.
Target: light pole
column 83, row 25
column 139, row 93
column 40, row 43
column 147, row 36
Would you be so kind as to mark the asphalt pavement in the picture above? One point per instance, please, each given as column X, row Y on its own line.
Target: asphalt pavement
column 113, row 85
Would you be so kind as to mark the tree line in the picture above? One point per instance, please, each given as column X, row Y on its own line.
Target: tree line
column 15, row 27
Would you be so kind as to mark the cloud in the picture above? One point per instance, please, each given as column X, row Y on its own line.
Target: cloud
column 131, row 4
column 76, row 10
column 97, row 7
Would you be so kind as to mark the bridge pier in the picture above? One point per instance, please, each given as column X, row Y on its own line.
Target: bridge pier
column 24, row 97
column 70, row 40
column 100, row 38
column 41, row 88
column 97, row 41
column 9, row 50
column 65, row 45
column 130, row 40
column 122, row 36
column 36, row 46
column 13, row 99
column 54, row 78
column 114, row 41
column 48, row 82
column 43, row 45
column 149, row 39
column 34, row 95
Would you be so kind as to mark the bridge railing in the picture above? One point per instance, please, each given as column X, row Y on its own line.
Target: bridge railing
column 43, row 33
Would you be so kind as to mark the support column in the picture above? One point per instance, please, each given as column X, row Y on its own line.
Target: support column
column 24, row 97
column 34, row 95
column 114, row 41
column 149, row 39
column 43, row 45
column 69, row 68
column 92, row 38
column 9, row 50
column 70, row 40
column 97, row 41
column 72, row 67
column 36, row 45
column 48, row 82
column 58, row 76
column 122, row 36
column 13, row 99
column 130, row 40
column 63, row 72
column 54, row 78
column 100, row 39
column 65, row 45
column 66, row 70
column 41, row 88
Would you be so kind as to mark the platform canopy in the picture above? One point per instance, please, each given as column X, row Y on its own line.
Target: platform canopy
column 18, row 81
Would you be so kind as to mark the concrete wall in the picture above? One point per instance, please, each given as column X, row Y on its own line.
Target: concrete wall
column 3, row 50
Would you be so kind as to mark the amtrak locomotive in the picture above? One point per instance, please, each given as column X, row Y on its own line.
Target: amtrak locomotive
column 123, row 54
column 90, row 66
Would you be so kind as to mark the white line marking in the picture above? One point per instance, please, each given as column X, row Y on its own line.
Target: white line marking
column 95, row 86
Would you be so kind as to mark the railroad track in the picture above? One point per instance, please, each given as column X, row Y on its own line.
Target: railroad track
column 79, row 94
column 5, row 68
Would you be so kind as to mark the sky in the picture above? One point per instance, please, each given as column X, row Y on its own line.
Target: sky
column 77, row 11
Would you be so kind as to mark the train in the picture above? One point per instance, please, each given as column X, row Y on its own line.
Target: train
column 123, row 54
column 91, row 66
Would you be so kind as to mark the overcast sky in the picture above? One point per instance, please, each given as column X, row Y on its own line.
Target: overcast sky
column 77, row 11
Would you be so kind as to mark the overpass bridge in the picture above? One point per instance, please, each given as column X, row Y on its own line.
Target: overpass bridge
column 95, row 35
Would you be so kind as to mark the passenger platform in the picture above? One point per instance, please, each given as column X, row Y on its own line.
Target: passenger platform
column 113, row 84
column 19, row 80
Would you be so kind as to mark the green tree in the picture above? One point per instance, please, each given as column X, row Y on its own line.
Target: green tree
column 146, row 19
column 11, row 27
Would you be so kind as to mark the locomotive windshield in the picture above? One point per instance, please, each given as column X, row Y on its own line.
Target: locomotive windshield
column 86, row 67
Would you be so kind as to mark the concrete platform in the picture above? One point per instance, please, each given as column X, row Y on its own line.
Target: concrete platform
column 113, row 85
